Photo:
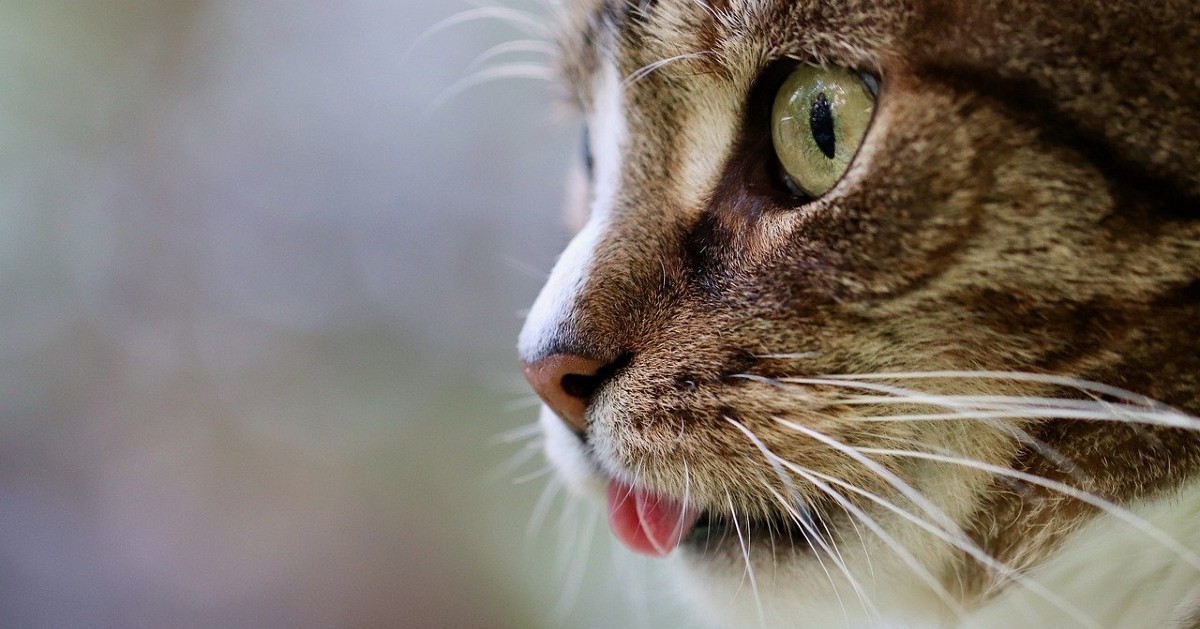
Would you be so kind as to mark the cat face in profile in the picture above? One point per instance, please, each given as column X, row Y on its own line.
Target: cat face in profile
column 886, row 312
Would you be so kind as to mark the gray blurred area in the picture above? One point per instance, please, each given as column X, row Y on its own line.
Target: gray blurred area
column 258, row 304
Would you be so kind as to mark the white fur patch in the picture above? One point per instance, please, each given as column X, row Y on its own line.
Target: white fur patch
column 1115, row 573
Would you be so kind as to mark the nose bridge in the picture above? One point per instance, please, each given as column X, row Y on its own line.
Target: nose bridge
column 607, row 290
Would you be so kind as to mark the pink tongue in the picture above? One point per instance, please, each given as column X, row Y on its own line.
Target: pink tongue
column 645, row 522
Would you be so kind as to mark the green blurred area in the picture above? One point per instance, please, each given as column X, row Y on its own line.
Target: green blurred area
column 257, row 311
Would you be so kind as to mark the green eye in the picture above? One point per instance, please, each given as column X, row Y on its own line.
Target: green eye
column 818, row 122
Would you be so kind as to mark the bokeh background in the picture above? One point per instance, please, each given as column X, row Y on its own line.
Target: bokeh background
column 260, row 285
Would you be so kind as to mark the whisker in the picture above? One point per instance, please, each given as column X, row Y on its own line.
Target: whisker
column 487, row 75
column 1050, row 453
column 862, row 541
column 650, row 68
column 1166, row 420
column 514, row 462
column 520, row 433
column 574, row 579
column 522, row 20
column 1016, row 376
column 744, row 542
column 804, row 521
column 903, row 487
column 972, row 549
column 800, row 393
column 871, row 523
column 687, row 495
column 515, row 46
column 525, row 403
column 567, row 534
column 537, row 516
column 1104, row 505
column 964, row 411
column 795, row 356
column 525, row 268
column 532, row 476
column 1138, row 409
column 983, row 401
column 952, row 532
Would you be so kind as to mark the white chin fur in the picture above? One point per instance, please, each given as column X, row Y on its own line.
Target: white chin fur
column 564, row 452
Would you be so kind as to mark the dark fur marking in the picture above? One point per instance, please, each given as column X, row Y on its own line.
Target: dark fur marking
column 1134, row 184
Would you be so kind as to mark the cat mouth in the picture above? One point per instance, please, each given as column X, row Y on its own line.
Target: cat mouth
column 655, row 525
column 715, row 529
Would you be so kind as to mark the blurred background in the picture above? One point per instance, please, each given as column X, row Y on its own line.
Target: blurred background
column 260, row 285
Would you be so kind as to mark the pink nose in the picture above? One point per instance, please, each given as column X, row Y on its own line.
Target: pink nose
column 566, row 383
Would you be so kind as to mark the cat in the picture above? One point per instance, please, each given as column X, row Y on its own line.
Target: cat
column 886, row 313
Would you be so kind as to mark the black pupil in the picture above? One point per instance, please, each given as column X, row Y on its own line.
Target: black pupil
column 820, row 120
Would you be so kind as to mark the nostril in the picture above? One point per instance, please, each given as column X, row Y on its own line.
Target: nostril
column 579, row 385
column 584, row 386
column 568, row 382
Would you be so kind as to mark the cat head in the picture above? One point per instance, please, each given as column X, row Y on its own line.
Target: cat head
column 870, row 283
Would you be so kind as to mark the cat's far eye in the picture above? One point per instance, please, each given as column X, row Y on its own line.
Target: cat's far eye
column 589, row 163
column 818, row 121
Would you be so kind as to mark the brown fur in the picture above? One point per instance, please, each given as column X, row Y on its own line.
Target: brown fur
column 1028, row 199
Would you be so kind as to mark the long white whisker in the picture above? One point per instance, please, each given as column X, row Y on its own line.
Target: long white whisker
column 525, row 403
column 794, row 356
column 1107, row 506
column 537, row 516
column 962, row 410
column 922, row 572
column 520, row 433
column 1137, row 409
column 567, row 538
column 534, row 475
column 1016, row 376
column 903, row 487
column 566, row 533
column 516, row 46
column 487, row 75
column 1033, row 407
column 952, row 532
column 514, row 462
column 687, row 495
column 574, row 581
column 970, row 548
column 746, row 556
column 525, row 268
column 648, row 69
column 796, row 392
column 862, row 541
column 984, row 401
column 1166, row 420
column 523, row 20
column 806, row 524
column 804, row 521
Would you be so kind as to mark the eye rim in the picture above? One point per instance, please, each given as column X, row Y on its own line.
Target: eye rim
column 589, row 160
column 874, row 85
